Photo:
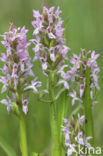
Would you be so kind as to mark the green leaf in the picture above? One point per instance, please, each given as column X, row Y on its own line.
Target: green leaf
column 7, row 149
column 76, row 110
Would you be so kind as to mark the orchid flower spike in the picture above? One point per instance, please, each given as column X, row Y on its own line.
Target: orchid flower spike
column 49, row 47
column 73, row 131
column 17, row 69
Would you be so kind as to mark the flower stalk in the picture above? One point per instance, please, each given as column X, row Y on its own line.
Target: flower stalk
column 53, row 118
column 89, row 128
column 23, row 139
column 61, row 115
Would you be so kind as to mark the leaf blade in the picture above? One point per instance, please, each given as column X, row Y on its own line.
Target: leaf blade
column 7, row 149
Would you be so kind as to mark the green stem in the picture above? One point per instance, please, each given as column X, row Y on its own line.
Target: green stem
column 61, row 113
column 89, row 128
column 53, row 118
column 23, row 141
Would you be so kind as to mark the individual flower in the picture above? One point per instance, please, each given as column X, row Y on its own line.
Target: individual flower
column 34, row 85
column 17, row 70
column 49, row 43
column 74, row 97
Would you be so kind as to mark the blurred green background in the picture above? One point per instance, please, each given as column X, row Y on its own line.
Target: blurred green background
column 84, row 29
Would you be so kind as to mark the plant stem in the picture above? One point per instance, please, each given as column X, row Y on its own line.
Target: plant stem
column 53, row 118
column 89, row 128
column 23, row 141
column 61, row 114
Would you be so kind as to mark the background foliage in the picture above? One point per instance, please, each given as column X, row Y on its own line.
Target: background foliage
column 84, row 28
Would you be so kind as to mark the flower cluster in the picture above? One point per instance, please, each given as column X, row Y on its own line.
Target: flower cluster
column 49, row 42
column 73, row 131
column 74, row 73
column 17, row 69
